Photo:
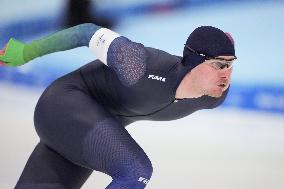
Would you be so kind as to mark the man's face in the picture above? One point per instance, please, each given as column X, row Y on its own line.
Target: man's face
column 213, row 77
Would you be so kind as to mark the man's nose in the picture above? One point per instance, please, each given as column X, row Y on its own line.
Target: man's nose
column 225, row 73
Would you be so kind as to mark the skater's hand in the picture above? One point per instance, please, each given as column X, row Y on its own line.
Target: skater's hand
column 2, row 51
column 12, row 53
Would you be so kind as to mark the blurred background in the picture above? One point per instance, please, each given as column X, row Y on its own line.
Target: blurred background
column 239, row 145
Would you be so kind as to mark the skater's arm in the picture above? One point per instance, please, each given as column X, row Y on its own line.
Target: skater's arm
column 127, row 58
column 18, row 53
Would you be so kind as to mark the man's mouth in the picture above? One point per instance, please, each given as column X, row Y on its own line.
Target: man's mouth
column 222, row 85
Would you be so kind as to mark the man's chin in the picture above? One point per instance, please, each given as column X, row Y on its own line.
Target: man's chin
column 216, row 94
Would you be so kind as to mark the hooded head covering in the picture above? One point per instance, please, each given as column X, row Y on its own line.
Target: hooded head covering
column 209, row 41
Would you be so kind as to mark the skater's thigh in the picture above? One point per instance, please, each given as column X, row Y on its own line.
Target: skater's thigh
column 64, row 116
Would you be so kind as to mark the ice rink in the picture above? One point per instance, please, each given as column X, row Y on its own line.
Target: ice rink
column 225, row 148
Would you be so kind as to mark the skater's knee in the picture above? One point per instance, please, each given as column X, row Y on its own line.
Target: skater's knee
column 140, row 168
column 136, row 175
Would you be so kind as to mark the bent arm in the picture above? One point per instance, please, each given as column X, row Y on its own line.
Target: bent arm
column 127, row 58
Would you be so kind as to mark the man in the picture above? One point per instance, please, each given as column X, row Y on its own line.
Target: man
column 81, row 117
